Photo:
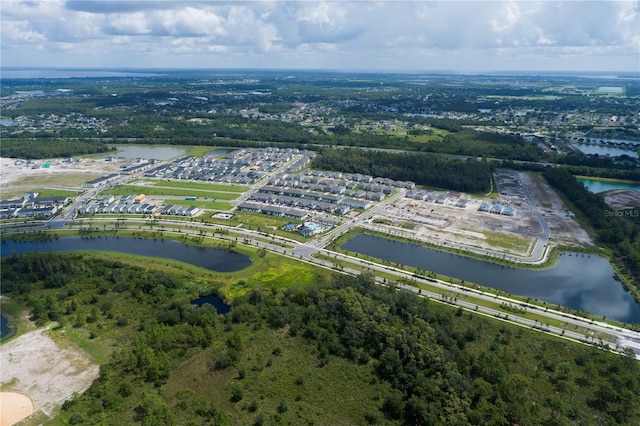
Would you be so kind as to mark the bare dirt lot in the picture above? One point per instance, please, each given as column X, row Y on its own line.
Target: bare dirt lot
column 622, row 199
column 18, row 177
column 449, row 222
column 47, row 371
column 463, row 225
column 565, row 230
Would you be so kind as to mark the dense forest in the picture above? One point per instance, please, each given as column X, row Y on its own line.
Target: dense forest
column 50, row 148
column 617, row 229
column 423, row 169
column 345, row 351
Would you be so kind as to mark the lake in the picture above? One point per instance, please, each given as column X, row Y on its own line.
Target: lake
column 597, row 186
column 213, row 259
column 162, row 152
column 603, row 150
column 578, row 281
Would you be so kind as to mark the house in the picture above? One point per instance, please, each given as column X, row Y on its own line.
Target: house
column 296, row 214
column 250, row 207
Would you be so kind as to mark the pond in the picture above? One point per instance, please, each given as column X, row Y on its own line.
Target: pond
column 597, row 186
column 603, row 150
column 213, row 300
column 162, row 152
column 214, row 259
column 4, row 327
column 578, row 281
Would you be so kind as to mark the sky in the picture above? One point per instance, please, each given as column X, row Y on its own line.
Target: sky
column 360, row 35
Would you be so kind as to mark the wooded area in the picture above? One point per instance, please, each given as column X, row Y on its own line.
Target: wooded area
column 423, row 169
column 50, row 148
column 282, row 357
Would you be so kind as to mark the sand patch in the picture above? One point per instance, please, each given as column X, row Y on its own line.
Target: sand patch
column 14, row 407
column 48, row 372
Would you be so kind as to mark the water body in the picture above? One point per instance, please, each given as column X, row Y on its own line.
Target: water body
column 597, row 186
column 148, row 152
column 8, row 122
column 4, row 327
column 214, row 259
column 214, row 301
column 581, row 282
column 603, row 150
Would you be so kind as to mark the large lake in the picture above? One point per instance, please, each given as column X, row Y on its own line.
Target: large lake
column 213, row 259
column 597, row 186
column 579, row 281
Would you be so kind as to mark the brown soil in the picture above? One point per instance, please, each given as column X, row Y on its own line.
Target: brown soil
column 622, row 198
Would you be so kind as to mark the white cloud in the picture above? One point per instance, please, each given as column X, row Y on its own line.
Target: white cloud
column 348, row 34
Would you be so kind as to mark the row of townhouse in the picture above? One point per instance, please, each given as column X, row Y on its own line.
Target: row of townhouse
column 31, row 207
column 175, row 210
column 305, row 203
column 100, row 181
column 357, row 177
column 96, row 207
column 271, row 210
column 29, row 212
column 316, row 196
column 497, row 209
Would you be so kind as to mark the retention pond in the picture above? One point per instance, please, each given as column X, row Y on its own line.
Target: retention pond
column 578, row 281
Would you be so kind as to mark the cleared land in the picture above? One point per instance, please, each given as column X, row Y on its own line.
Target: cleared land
column 565, row 230
column 622, row 198
column 46, row 367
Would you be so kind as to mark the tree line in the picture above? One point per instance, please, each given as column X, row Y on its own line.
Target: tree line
column 423, row 169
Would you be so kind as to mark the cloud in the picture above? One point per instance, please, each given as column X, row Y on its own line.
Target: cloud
column 380, row 34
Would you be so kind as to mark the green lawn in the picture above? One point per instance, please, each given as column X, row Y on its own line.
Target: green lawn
column 179, row 192
column 193, row 185
column 209, row 205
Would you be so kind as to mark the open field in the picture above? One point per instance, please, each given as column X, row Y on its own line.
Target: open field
column 185, row 184
column 150, row 190
column 201, row 204
column 20, row 178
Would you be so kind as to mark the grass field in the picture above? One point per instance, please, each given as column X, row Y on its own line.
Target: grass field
column 42, row 192
column 261, row 222
column 179, row 192
column 209, row 205
column 193, row 185
column 278, row 368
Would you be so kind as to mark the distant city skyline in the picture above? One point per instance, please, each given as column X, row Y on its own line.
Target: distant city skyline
column 386, row 36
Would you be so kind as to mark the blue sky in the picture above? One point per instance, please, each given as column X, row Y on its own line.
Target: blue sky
column 463, row 36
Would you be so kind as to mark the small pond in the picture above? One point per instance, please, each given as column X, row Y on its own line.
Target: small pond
column 215, row 301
